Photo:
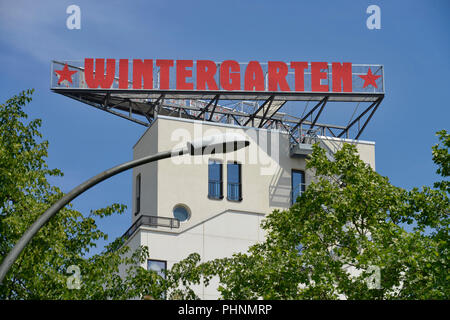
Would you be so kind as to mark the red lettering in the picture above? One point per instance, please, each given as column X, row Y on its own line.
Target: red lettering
column 142, row 69
column 123, row 74
column 101, row 74
column 317, row 75
column 230, row 77
column 254, row 77
column 342, row 73
column 183, row 73
column 299, row 74
column 277, row 76
column 164, row 73
column 101, row 79
column 206, row 70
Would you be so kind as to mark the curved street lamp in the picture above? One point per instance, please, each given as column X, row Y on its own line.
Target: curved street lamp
column 227, row 142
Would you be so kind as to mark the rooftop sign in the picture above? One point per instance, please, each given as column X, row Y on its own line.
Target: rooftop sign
column 286, row 79
column 246, row 94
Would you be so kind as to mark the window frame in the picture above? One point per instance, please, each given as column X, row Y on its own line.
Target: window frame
column 210, row 196
column 185, row 207
column 239, row 179
column 137, row 198
column 303, row 183
column 157, row 260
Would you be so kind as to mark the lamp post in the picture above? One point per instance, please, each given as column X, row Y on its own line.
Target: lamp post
column 209, row 145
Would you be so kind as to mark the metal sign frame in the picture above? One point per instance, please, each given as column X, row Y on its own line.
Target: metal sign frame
column 142, row 106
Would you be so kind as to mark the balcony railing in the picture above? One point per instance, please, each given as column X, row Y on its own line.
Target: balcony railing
column 152, row 221
column 215, row 189
column 234, row 191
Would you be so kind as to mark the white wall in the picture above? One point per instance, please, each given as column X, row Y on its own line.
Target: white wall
column 216, row 228
column 147, row 145
column 222, row 235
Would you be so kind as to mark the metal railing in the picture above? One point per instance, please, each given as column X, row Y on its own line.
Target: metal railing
column 152, row 221
column 234, row 191
column 215, row 189
column 312, row 137
column 357, row 70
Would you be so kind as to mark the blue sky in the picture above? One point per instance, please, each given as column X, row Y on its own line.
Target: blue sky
column 413, row 44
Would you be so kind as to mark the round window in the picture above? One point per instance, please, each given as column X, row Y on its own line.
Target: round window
column 181, row 212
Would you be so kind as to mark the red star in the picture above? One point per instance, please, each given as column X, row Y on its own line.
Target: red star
column 65, row 74
column 369, row 78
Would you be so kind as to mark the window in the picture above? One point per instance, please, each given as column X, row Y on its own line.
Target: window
column 215, row 188
column 298, row 184
column 159, row 266
column 138, row 194
column 234, row 185
column 181, row 212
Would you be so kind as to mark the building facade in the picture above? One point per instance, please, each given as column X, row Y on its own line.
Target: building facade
column 214, row 204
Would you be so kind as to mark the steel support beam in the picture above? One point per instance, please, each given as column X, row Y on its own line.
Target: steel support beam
column 290, row 133
column 214, row 108
column 321, row 102
column 235, row 119
column 253, row 115
column 375, row 103
column 368, row 119
column 149, row 119
column 216, row 98
column 108, row 110
column 265, row 113
column 264, row 121
column 332, row 133
column 318, row 113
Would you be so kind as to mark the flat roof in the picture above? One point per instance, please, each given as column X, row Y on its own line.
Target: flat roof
column 234, row 126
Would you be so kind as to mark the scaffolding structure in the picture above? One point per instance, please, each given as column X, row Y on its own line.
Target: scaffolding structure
column 259, row 109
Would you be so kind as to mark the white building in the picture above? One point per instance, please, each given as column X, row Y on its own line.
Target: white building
column 214, row 204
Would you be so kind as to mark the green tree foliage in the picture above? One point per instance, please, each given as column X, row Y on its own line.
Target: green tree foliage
column 350, row 226
column 41, row 270
column 442, row 159
column 351, row 235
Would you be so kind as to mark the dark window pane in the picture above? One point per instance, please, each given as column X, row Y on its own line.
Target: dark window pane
column 214, row 171
column 138, row 193
column 234, row 184
column 158, row 266
column 215, row 179
column 181, row 213
column 298, row 184
column 233, row 173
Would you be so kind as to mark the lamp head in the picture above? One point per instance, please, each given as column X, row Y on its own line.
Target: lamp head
column 222, row 143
